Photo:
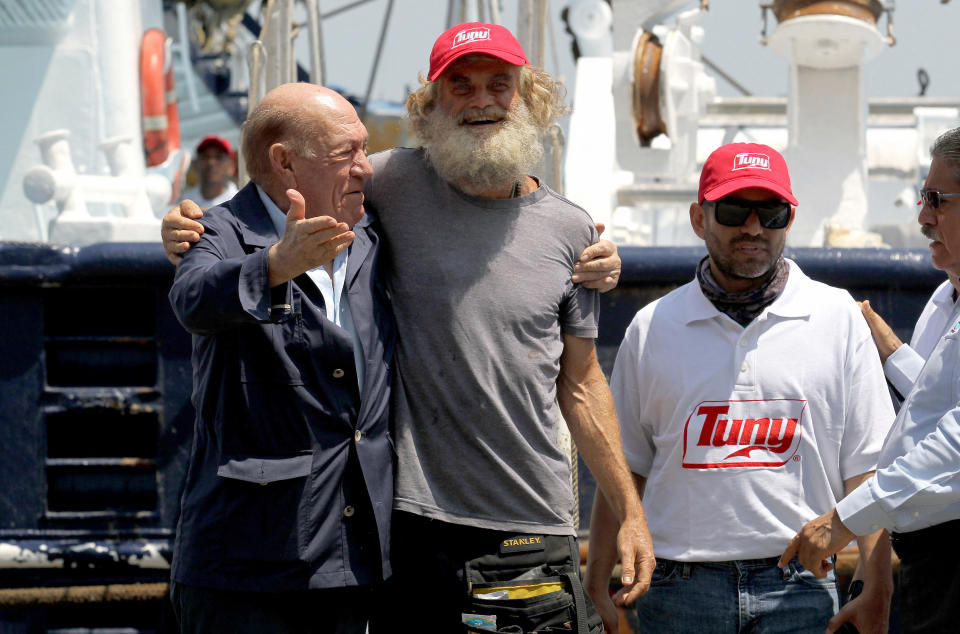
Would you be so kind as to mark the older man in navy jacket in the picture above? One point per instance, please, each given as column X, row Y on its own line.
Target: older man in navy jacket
column 286, row 511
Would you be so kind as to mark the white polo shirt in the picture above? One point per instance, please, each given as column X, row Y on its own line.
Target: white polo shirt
column 746, row 434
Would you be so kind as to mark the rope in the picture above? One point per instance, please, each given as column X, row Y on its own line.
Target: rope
column 11, row 597
column 575, row 483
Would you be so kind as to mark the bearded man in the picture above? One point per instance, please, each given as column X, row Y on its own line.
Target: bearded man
column 750, row 400
column 494, row 332
column 483, row 252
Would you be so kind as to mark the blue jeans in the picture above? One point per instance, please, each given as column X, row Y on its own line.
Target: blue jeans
column 750, row 595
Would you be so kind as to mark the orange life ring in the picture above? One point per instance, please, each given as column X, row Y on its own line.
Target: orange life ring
column 153, row 95
column 173, row 116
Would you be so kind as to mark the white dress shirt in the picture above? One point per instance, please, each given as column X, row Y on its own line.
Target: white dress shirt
column 904, row 365
column 335, row 301
column 917, row 483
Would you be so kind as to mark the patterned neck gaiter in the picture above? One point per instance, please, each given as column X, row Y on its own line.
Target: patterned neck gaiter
column 743, row 307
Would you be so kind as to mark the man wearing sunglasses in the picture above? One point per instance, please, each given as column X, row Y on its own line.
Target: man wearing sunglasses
column 916, row 490
column 749, row 400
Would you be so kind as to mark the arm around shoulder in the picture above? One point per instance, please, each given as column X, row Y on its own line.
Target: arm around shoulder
column 903, row 367
column 180, row 229
column 599, row 265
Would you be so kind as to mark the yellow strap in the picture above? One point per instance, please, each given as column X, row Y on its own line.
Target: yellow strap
column 524, row 591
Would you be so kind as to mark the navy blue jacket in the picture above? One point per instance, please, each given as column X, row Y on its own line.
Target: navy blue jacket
column 290, row 481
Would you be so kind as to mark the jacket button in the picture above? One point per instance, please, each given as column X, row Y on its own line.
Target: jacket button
column 348, row 512
column 358, row 435
column 337, row 373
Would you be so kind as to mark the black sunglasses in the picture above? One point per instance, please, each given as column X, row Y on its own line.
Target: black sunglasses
column 733, row 212
column 933, row 199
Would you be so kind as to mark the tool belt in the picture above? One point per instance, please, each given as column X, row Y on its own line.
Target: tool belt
column 531, row 583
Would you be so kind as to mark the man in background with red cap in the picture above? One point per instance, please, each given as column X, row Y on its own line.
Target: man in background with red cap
column 216, row 168
column 750, row 400
column 485, row 264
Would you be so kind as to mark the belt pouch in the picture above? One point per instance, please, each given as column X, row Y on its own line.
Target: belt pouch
column 528, row 583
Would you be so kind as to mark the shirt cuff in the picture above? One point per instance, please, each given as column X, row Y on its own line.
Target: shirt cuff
column 903, row 367
column 860, row 511
column 256, row 297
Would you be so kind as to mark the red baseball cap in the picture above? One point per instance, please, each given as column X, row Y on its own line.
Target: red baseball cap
column 474, row 37
column 212, row 140
column 738, row 166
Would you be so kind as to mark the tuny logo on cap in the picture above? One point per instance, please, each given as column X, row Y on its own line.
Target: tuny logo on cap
column 467, row 36
column 748, row 160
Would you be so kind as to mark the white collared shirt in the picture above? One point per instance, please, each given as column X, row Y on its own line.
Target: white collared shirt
column 335, row 301
column 746, row 433
column 918, row 479
column 904, row 365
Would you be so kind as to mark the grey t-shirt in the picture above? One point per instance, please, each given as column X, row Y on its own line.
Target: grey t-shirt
column 481, row 290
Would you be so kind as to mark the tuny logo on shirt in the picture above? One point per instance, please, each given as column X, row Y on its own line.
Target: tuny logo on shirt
column 760, row 433
column 956, row 328
column 470, row 35
column 746, row 160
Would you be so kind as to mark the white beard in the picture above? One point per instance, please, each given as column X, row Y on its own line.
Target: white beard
column 478, row 159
